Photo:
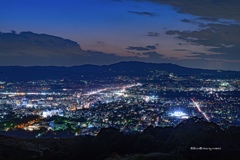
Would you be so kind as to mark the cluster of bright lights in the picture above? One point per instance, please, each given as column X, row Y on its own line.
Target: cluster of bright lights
column 51, row 113
column 96, row 92
column 27, row 93
column 178, row 114
column 149, row 98
column 122, row 89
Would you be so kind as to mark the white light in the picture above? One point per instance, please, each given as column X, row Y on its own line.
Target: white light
column 178, row 114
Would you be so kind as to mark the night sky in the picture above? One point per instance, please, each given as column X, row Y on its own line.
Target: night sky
column 191, row 33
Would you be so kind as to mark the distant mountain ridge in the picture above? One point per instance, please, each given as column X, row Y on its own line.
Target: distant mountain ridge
column 88, row 71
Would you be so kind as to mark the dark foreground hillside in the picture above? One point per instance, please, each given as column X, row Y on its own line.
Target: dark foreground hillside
column 191, row 139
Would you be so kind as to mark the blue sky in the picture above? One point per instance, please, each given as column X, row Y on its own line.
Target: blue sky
column 111, row 26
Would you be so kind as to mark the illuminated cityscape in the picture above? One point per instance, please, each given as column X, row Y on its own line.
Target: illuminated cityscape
column 131, row 104
column 119, row 79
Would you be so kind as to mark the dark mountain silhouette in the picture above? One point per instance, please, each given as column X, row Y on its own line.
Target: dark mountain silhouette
column 132, row 68
column 192, row 139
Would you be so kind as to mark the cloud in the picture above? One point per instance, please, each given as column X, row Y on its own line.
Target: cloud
column 153, row 34
column 181, row 50
column 227, row 54
column 223, row 40
column 217, row 35
column 63, row 52
column 147, row 48
column 41, row 45
column 227, row 9
column 29, row 49
column 100, row 43
column 203, row 21
column 186, row 20
column 144, row 13
column 210, row 19
column 197, row 21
